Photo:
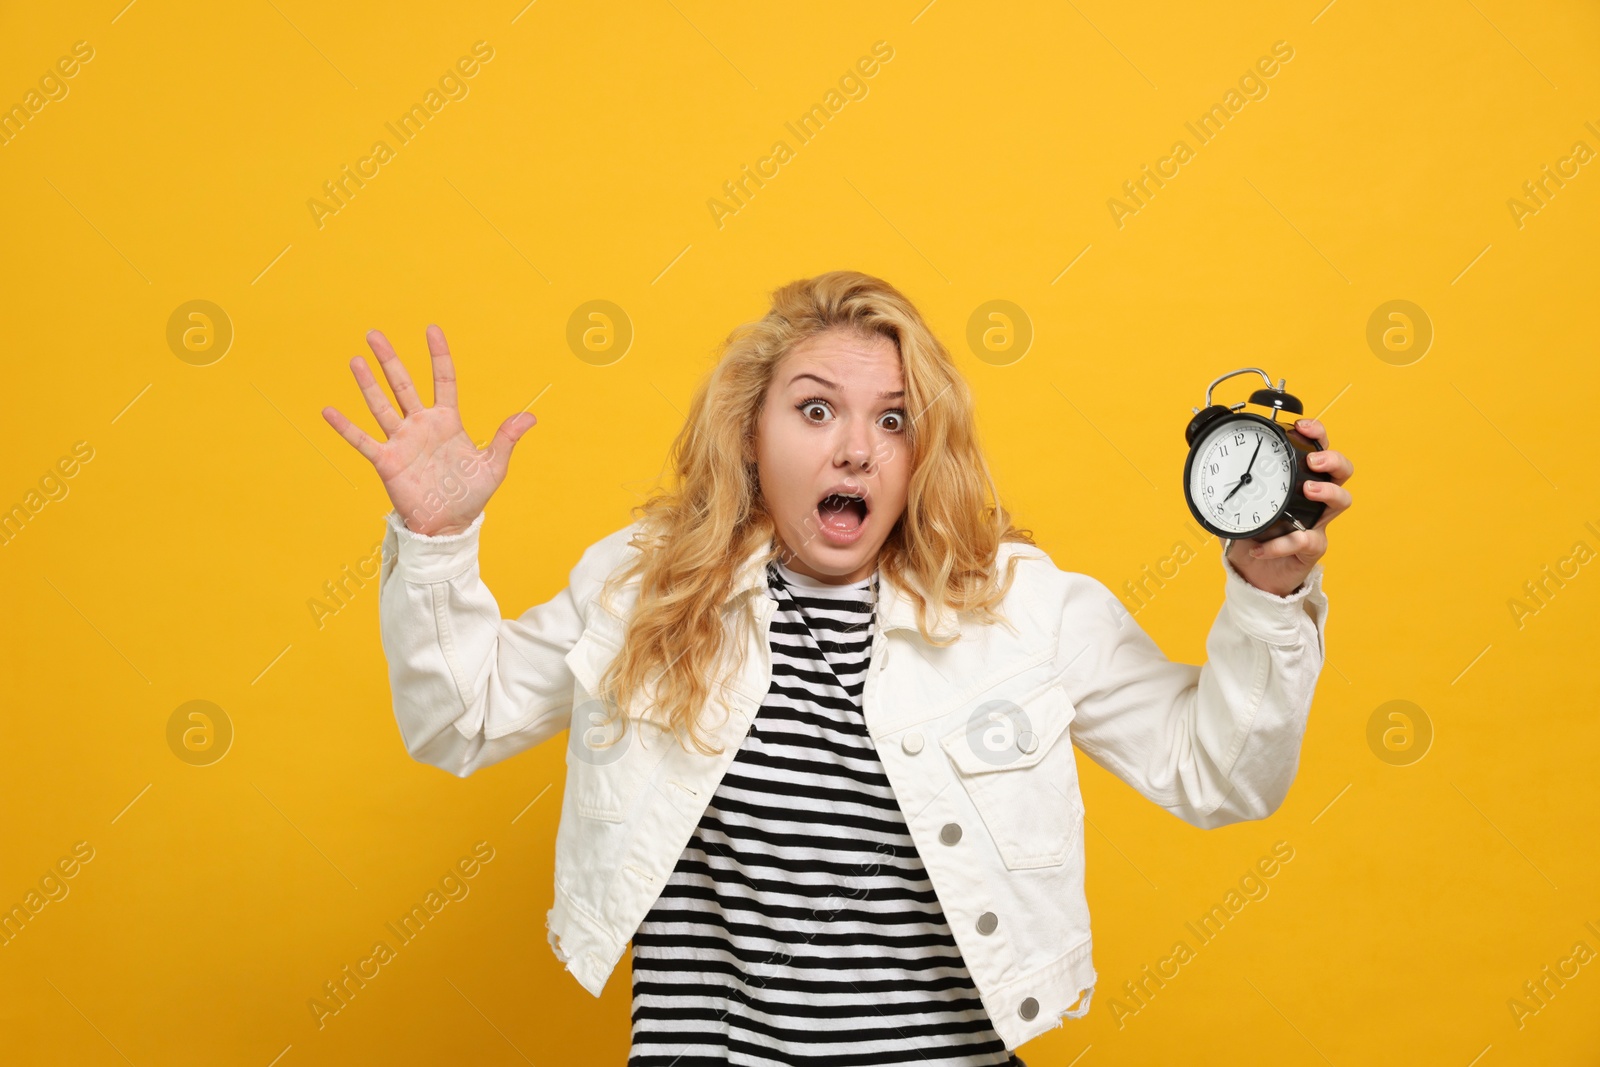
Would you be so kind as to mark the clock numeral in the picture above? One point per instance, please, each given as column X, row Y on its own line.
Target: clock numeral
column 1255, row 516
column 1213, row 468
column 1211, row 490
column 1274, row 443
column 1222, row 450
column 1283, row 487
column 1238, row 438
column 1235, row 516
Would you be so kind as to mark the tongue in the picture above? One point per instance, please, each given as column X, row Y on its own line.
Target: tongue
column 840, row 516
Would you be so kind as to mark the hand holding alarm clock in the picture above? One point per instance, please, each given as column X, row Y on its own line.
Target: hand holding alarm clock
column 1269, row 488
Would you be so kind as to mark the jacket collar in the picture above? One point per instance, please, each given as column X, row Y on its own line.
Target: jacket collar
column 896, row 610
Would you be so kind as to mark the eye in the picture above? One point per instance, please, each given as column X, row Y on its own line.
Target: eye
column 897, row 415
column 815, row 401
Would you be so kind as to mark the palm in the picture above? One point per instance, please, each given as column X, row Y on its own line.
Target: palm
column 435, row 476
column 419, row 460
column 1279, row 575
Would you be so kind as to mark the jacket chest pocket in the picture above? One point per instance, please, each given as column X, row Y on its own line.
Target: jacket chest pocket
column 608, row 763
column 1015, row 760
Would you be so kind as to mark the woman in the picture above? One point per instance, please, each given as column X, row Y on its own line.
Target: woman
column 819, row 696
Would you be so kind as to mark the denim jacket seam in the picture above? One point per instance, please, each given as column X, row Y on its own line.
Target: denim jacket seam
column 447, row 643
column 533, row 715
column 1242, row 735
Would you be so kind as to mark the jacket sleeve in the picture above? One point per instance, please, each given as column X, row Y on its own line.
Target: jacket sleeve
column 471, row 688
column 1213, row 744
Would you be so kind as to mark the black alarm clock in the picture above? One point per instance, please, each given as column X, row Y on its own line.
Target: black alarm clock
column 1245, row 474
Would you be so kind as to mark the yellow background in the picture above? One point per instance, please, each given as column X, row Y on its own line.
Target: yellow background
column 180, row 564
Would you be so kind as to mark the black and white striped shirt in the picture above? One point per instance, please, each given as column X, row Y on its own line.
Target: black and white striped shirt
column 799, row 926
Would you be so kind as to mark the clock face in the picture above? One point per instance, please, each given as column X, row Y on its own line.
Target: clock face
column 1240, row 476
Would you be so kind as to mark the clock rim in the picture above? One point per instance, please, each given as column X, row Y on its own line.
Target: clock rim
column 1204, row 432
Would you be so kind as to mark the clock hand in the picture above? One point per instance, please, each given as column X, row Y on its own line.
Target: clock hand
column 1253, row 456
column 1245, row 477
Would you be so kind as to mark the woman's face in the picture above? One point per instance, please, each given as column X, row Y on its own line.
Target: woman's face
column 834, row 422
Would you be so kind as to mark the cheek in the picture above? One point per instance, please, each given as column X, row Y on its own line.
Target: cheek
column 783, row 481
column 898, row 464
column 896, row 473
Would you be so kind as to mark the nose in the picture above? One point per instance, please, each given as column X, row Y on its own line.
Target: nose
column 855, row 445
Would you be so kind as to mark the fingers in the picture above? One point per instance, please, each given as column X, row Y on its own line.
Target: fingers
column 1310, row 545
column 1335, row 496
column 377, row 400
column 505, row 439
column 352, row 433
column 444, row 370
column 405, row 394
column 1313, row 429
column 1336, row 464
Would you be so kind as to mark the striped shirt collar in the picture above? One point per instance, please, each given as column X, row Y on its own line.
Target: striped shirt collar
column 896, row 610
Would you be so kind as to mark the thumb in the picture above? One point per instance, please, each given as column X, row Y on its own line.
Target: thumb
column 505, row 439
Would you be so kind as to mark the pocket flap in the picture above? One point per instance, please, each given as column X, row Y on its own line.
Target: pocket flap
column 1001, row 734
column 588, row 659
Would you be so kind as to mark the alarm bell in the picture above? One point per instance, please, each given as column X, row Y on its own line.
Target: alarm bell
column 1270, row 397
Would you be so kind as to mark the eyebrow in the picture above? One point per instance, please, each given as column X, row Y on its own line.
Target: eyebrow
column 834, row 385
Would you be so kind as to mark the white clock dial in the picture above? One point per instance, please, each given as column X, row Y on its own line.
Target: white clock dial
column 1217, row 481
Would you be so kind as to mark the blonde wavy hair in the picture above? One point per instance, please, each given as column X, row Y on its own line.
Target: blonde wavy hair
column 694, row 535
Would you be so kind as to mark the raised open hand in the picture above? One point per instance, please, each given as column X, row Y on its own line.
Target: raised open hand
column 434, row 475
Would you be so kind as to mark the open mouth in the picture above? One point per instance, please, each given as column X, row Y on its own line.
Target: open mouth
column 842, row 513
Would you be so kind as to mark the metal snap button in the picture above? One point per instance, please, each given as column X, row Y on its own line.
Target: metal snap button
column 912, row 743
column 987, row 922
column 950, row 833
column 1027, row 741
column 1029, row 1008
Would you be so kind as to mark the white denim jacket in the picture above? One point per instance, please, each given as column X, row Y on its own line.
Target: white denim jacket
column 974, row 739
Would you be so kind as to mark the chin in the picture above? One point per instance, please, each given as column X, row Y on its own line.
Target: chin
column 822, row 557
